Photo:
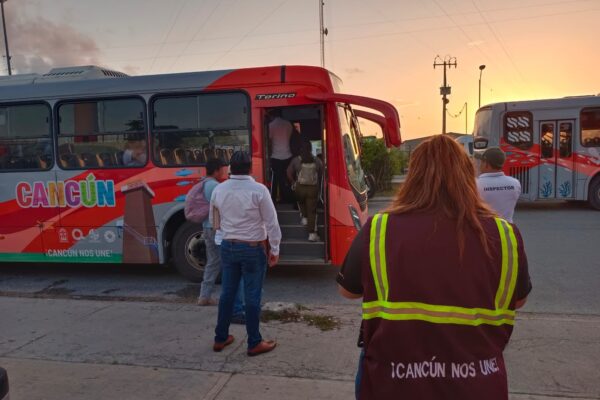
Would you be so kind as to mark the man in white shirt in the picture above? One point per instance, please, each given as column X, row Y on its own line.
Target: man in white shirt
column 244, row 212
column 280, row 133
column 501, row 192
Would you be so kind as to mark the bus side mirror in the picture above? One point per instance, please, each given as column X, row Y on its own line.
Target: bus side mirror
column 480, row 143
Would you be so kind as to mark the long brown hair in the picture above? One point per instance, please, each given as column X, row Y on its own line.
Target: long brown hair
column 441, row 178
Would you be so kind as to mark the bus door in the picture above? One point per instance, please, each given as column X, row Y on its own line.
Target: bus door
column 308, row 127
column 25, row 176
column 557, row 166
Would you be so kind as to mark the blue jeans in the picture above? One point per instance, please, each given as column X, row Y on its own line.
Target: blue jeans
column 239, row 308
column 213, row 264
column 240, row 260
column 212, row 269
column 359, row 372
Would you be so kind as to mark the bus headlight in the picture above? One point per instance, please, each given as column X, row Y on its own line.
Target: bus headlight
column 355, row 217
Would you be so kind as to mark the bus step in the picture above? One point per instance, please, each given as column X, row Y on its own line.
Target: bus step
column 292, row 217
column 301, row 249
column 299, row 232
column 290, row 206
column 299, row 261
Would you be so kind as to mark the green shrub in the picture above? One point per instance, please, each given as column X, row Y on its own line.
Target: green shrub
column 377, row 161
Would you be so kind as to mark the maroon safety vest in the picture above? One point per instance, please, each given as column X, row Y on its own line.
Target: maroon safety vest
column 435, row 327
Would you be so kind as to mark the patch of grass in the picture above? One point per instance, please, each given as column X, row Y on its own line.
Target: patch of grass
column 323, row 322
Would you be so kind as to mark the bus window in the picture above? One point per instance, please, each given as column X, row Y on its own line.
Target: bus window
column 25, row 142
column 102, row 134
column 350, row 134
column 189, row 130
column 547, row 140
column 483, row 123
column 590, row 127
column 566, row 139
column 518, row 129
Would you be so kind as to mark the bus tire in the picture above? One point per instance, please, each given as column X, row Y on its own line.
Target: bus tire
column 188, row 251
column 594, row 193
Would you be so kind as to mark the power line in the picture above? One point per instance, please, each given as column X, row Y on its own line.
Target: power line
column 459, row 113
column 204, row 53
column 262, row 21
column 162, row 45
column 386, row 20
column 356, row 37
column 466, row 111
column 202, row 25
column 395, row 23
column 460, row 28
column 500, row 42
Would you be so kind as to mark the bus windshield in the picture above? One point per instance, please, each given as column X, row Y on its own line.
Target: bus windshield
column 483, row 123
column 351, row 142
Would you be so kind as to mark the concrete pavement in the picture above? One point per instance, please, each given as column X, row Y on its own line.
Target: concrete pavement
column 77, row 349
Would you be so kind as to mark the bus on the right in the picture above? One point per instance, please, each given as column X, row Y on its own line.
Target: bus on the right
column 552, row 146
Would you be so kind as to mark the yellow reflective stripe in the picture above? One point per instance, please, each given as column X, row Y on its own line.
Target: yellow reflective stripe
column 439, row 320
column 436, row 313
column 434, row 307
column 504, row 245
column 383, row 261
column 514, row 268
column 373, row 254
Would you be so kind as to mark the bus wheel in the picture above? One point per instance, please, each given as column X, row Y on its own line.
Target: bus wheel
column 594, row 193
column 189, row 252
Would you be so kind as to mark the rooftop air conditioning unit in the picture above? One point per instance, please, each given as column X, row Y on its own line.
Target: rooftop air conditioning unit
column 80, row 73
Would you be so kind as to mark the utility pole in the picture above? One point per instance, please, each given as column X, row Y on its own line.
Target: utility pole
column 5, row 38
column 445, row 90
column 322, row 31
column 466, row 118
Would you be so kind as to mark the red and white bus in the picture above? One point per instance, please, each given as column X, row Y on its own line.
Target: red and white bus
column 552, row 146
column 95, row 164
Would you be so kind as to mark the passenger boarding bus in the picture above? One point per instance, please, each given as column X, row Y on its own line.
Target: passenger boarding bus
column 95, row 165
column 552, row 146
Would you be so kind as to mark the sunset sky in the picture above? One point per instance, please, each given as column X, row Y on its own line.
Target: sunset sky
column 380, row 48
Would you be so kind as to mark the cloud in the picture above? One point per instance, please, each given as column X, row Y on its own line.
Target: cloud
column 38, row 44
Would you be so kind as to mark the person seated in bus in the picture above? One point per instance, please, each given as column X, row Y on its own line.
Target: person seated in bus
column 135, row 154
column 306, row 171
column 501, row 192
column 280, row 133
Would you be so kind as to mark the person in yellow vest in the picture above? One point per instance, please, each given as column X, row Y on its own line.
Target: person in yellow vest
column 441, row 276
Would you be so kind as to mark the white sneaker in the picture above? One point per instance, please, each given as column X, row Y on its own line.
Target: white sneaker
column 313, row 237
column 304, row 221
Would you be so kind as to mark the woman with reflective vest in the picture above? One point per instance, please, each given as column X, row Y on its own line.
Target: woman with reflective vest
column 441, row 277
